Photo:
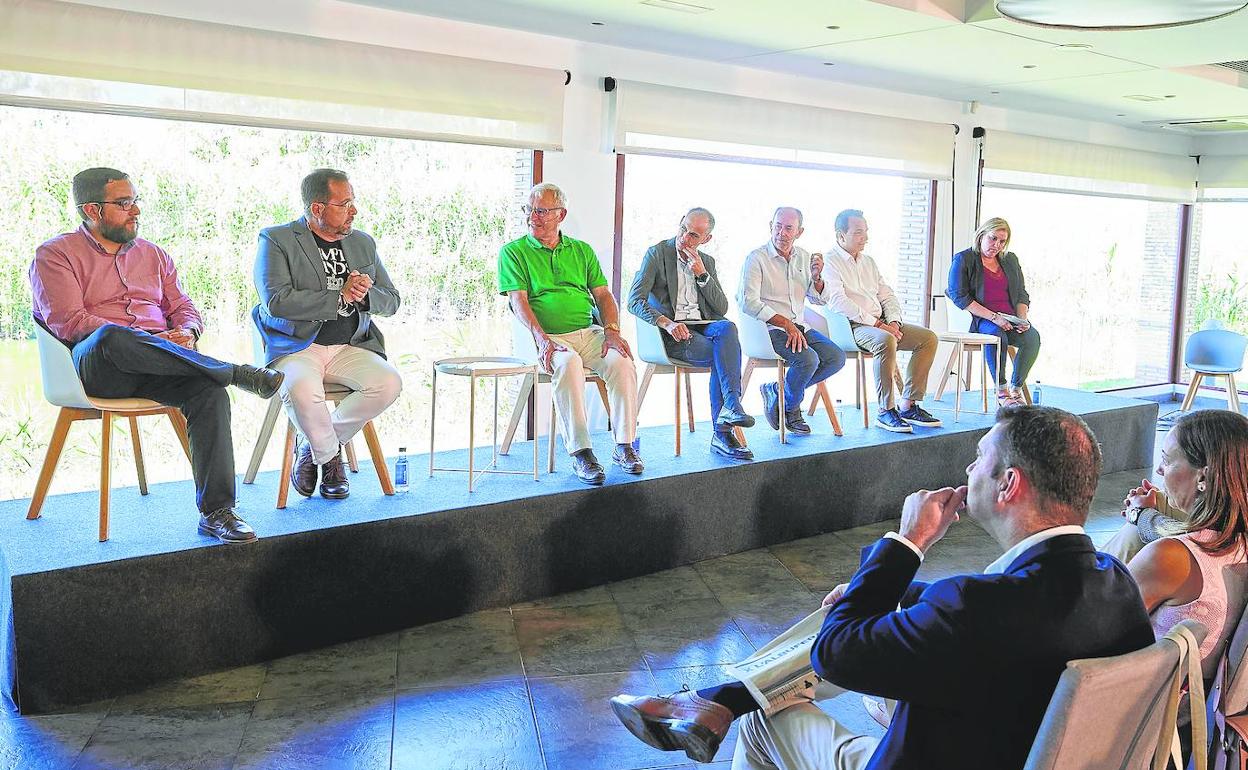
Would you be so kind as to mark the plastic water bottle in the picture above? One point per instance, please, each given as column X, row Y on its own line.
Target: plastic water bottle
column 1037, row 393
column 400, row 471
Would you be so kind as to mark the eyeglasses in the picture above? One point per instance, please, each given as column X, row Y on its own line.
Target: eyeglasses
column 125, row 204
column 348, row 203
column 541, row 212
column 690, row 231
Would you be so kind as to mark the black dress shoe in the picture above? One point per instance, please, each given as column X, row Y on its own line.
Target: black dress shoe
column 794, row 423
column 627, row 458
column 734, row 418
column 225, row 525
column 771, row 404
column 303, row 474
column 334, row 484
column 587, row 468
column 260, row 381
column 726, row 444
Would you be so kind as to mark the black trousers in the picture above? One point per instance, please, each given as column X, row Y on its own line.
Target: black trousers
column 119, row 362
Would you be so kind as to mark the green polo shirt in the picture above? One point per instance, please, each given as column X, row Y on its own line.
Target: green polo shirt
column 558, row 280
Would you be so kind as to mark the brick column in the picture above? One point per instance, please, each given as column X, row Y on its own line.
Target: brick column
column 912, row 285
column 1155, row 312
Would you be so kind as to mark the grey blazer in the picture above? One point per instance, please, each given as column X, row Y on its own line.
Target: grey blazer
column 294, row 298
column 655, row 285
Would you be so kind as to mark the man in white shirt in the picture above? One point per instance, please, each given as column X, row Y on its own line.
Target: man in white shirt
column 776, row 280
column 857, row 291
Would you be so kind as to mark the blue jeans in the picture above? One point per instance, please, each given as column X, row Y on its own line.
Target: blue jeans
column 819, row 360
column 714, row 345
column 1028, row 344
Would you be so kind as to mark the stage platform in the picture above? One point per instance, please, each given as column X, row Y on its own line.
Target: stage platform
column 158, row 601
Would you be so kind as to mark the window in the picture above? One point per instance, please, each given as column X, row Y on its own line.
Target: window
column 1217, row 270
column 438, row 211
column 659, row 190
column 1101, row 275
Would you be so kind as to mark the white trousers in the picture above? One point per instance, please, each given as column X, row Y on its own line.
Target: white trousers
column 584, row 351
column 801, row 737
column 374, row 381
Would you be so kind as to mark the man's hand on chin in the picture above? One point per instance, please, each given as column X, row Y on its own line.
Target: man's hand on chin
column 927, row 515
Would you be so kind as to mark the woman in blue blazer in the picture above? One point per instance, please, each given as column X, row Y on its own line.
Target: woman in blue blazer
column 987, row 281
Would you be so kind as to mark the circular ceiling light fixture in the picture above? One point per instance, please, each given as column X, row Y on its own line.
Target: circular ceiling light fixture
column 1116, row 14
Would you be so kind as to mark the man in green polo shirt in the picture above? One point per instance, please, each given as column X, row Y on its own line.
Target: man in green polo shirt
column 553, row 283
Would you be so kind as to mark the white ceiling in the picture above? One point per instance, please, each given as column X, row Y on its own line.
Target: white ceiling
column 956, row 49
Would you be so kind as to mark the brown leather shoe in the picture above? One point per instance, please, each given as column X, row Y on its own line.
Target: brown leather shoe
column 334, row 484
column 681, row 721
column 303, row 474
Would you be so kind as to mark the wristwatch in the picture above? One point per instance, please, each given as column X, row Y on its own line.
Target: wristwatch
column 1133, row 513
column 612, row 327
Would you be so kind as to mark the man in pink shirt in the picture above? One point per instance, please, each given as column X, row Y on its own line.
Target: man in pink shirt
column 114, row 299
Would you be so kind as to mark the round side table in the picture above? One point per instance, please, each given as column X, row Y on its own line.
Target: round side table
column 474, row 368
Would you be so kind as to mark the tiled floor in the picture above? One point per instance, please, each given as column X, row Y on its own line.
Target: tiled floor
column 521, row 688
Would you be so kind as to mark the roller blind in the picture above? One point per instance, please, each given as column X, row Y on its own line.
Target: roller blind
column 1035, row 162
column 661, row 120
column 83, row 57
column 1223, row 177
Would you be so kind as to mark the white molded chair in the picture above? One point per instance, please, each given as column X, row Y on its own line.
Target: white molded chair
column 650, row 349
column 759, row 354
column 63, row 388
column 835, row 327
column 1214, row 352
column 524, row 348
column 965, row 345
column 333, row 393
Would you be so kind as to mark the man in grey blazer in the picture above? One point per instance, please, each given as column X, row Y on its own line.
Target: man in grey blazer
column 320, row 284
column 678, row 291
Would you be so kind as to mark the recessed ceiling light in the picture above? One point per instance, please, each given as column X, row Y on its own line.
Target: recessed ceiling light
column 994, row 93
column 1073, row 46
column 1029, row 66
column 1171, row 96
column 1142, row 97
column 829, row 64
column 1121, row 115
column 833, row 26
column 598, row 23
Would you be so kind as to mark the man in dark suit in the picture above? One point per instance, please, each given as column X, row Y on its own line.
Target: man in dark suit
column 677, row 290
column 973, row 660
column 320, row 283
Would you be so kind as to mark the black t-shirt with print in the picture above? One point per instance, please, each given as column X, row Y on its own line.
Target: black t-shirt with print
column 339, row 330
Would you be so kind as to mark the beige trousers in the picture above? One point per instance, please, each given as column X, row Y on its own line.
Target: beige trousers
column 374, row 380
column 883, row 348
column 584, row 351
column 801, row 737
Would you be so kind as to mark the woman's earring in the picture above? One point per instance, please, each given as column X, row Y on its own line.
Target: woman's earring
column 1200, row 486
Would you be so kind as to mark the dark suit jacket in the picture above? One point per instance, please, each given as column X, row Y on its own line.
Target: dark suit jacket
column 294, row 300
column 654, row 286
column 966, row 280
column 974, row 659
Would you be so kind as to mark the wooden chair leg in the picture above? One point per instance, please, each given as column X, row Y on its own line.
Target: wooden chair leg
column 821, row 392
column 263, row 438
column 178, row 421
column 522, row 401
column 676, row 390
column 352, row 461
column 740, row 434
column 379, row 458
column 780, row 392
column 1191, row 391
column 106, row 470
column 983, row 375
column 860, row 389
column 814, row 403
column 64, row 419
column 948, row 371
column 689, row 400
column 606, row 401
column 288, row 462
column 644, row 385
column 137, row 444
column 553, row 434
column 967, row 371
column 1233, row 393
column 746, row 374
